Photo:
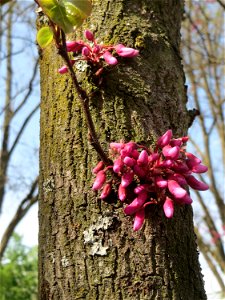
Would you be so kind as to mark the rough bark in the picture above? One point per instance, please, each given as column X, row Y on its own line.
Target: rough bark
column 87, row 247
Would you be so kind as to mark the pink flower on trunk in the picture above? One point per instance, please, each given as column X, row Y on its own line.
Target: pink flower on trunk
column 139, row 219
column 106, row 191
column 111, row 60
column 136, row 204
column 168, row 207
column 176, row 190
column 99, row 181
column 196, row 184
column 89, row 35
column 165, row 138
column 126, row 51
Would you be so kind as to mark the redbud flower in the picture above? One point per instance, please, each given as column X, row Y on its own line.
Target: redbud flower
column 143, row 158
column 171, row 152
column 89, row 35
column 125, row 51
column 196, row 184
column 85, row 51
column 99, row 181
column 168, row 207
column 176, row 190
column 63, row 70
column 118, row 165
column 199, row 169
column 111, row 60
column 122, row 193
column 165, row 138
column 161, row 182
column 139, row 219
column 136, row 204
column 106, row 191
column 127, row 179
column 98, row 168
column 129, row 161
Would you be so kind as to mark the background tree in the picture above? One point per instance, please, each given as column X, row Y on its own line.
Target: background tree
column 87, row 247
column 18, row 272
column 203, row 53
column 18, row 183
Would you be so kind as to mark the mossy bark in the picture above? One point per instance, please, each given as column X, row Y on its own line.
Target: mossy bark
column 87, row 248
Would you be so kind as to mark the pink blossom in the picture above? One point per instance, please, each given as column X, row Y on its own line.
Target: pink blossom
column 165, row 138
column 196, row 184
column 136, row 204
column 63, row 70
column 143, row 158
column 125, row 51
column 99, row 181
column 168, row 207
column 139, row 219
column 192, row 160
column 160, row 182
column 140, row 171
column 106, row 191
column 85, row 51
column 122, row 193
column 127, row 178
column 176, row 190
column 98, row 168
column 118, row 165
column 129, row 161
column 111, row 60
column 89, row 35
column 171, row 152
column 74, row 46
column 199, row 169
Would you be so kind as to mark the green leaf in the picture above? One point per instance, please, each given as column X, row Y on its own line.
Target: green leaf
column 44, row 37
column 67, row 14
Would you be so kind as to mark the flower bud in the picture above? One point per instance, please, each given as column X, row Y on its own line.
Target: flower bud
column 160, row 182
column 126, row 179
column 176, row 190
column 85, row 51
column 125, row 51
column 136, row 204
column 199, row 169
column 168, row 207
column 165, row 138
column 196, row 184
column 139, row 219
column 118, row 165
column 99, row 181
column 63, row 70
column 129, row 161
column 139, row 171
column 106, row 191
column 122, row 193
column 171, row 152
column 89, row 35
column 98, row 168
column 143, row 158
column 111, row 60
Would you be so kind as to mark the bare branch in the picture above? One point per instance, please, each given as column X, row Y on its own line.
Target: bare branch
column 23, row 208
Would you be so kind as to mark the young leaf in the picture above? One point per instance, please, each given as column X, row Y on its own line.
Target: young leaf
column 44, row 37
column 67, row 14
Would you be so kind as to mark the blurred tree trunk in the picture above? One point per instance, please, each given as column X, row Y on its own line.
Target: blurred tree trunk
column 88, row 249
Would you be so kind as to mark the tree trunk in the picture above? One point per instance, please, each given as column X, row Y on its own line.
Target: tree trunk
column 88, row 249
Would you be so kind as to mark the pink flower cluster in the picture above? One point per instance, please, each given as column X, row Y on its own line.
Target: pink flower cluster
column 145, row 176
column 96, row 53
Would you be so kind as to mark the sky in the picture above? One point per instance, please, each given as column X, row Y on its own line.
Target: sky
column 26, row 155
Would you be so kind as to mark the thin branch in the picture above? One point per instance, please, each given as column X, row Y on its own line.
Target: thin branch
column 84, row 100
column 23, row 208
column 22, row 129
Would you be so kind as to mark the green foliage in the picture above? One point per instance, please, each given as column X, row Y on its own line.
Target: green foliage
column 44, row 36
column 67, row 14
column 18, row 272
